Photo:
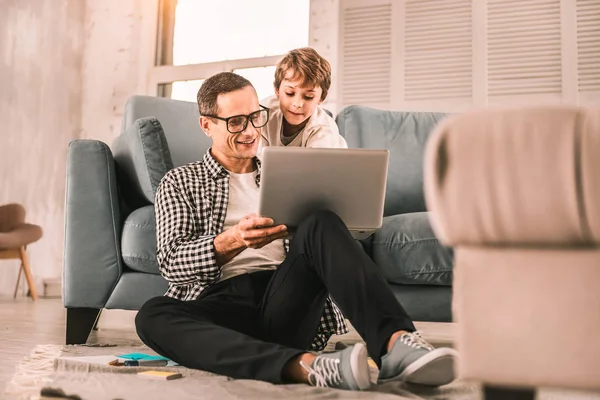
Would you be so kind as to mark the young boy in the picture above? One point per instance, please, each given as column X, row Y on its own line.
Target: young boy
column 302, row 80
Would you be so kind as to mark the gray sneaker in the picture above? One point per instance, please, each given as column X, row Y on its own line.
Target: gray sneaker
column 347, row 369
column 413, row 360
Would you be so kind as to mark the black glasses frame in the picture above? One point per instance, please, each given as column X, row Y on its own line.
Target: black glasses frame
column 248, row 118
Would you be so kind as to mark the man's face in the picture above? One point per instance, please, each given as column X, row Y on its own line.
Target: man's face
column 228, row 147
column 297, row 101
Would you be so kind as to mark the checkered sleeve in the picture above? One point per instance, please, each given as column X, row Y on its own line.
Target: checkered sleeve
column 185, row 252
column 332, row 322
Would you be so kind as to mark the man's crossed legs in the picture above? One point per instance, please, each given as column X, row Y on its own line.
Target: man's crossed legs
column 259, row 325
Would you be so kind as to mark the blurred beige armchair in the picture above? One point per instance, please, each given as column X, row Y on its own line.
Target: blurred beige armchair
column 15, row 235
column 517, row 194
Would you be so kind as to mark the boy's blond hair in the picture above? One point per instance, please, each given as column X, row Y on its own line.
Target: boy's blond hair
column 307, row 65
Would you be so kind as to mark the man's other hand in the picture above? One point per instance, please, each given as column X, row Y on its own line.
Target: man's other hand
column 255, row 232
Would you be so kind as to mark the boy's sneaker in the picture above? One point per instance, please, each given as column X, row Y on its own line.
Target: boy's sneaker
column 347, row 369
column 413, row 360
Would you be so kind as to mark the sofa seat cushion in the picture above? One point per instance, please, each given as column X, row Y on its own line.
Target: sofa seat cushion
column 407, row 251
column 138, row 242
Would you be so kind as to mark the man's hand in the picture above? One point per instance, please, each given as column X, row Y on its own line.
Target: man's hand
column 255, row 232
column 251, row 231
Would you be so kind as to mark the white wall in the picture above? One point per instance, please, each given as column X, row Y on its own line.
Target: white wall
column 41, row 52
column 68, row 67
column 112, row 63
column 323, row 37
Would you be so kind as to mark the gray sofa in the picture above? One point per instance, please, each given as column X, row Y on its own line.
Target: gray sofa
column 110, row 244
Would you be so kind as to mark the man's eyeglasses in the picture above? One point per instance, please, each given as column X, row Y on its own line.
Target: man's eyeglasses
column 239, row 123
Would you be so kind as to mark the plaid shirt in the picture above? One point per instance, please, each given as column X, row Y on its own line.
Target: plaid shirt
column 191, row 203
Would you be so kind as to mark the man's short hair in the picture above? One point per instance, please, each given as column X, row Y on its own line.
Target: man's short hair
column 223, row 82
column 307, row 65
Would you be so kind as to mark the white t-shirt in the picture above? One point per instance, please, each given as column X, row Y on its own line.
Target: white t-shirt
column 320, row 130
column 243, row 200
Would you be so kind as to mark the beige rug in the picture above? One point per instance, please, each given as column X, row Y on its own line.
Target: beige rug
column 45, row 368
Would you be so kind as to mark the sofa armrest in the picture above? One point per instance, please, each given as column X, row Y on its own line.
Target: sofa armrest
column 92, row 253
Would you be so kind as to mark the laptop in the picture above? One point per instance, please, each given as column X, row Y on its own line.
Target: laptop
column 296, row 181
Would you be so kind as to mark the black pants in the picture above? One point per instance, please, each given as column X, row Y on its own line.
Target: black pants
column 251, row 325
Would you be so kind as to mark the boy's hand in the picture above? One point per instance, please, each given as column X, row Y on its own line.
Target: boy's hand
column 255, row 232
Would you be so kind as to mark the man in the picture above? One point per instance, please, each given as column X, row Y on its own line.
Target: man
column 245, row 302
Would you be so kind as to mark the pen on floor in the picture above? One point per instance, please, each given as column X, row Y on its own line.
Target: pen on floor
column 142, row 363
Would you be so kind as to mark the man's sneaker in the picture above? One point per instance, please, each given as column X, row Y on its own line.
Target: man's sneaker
column 347, row 369
column 413, row 360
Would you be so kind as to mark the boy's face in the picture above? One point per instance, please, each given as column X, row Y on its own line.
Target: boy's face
column 297, row 101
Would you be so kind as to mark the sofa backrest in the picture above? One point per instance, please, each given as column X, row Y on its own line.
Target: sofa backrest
column 404, row 134
column 142, row 159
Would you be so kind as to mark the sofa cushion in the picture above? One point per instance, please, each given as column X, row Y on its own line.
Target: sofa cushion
column 179, row 119
column 138, row 243
column 404, row 134
column 143, row 158
column 425, row 302
column 408, row 252
column 136, row 288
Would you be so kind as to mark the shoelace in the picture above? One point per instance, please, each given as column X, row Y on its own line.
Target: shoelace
column 324, row 372
column 414, row 339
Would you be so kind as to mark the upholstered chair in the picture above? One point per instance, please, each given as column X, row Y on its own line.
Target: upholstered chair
column 516, row 192
column 15, row 235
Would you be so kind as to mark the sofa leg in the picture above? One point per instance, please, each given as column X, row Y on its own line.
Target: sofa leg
column 97, row 320
column 505, row 393
column 80, row 322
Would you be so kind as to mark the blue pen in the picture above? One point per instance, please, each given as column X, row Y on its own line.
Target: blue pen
column 143, row 363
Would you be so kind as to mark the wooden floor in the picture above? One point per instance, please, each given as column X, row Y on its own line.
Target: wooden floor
column 25, row 324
